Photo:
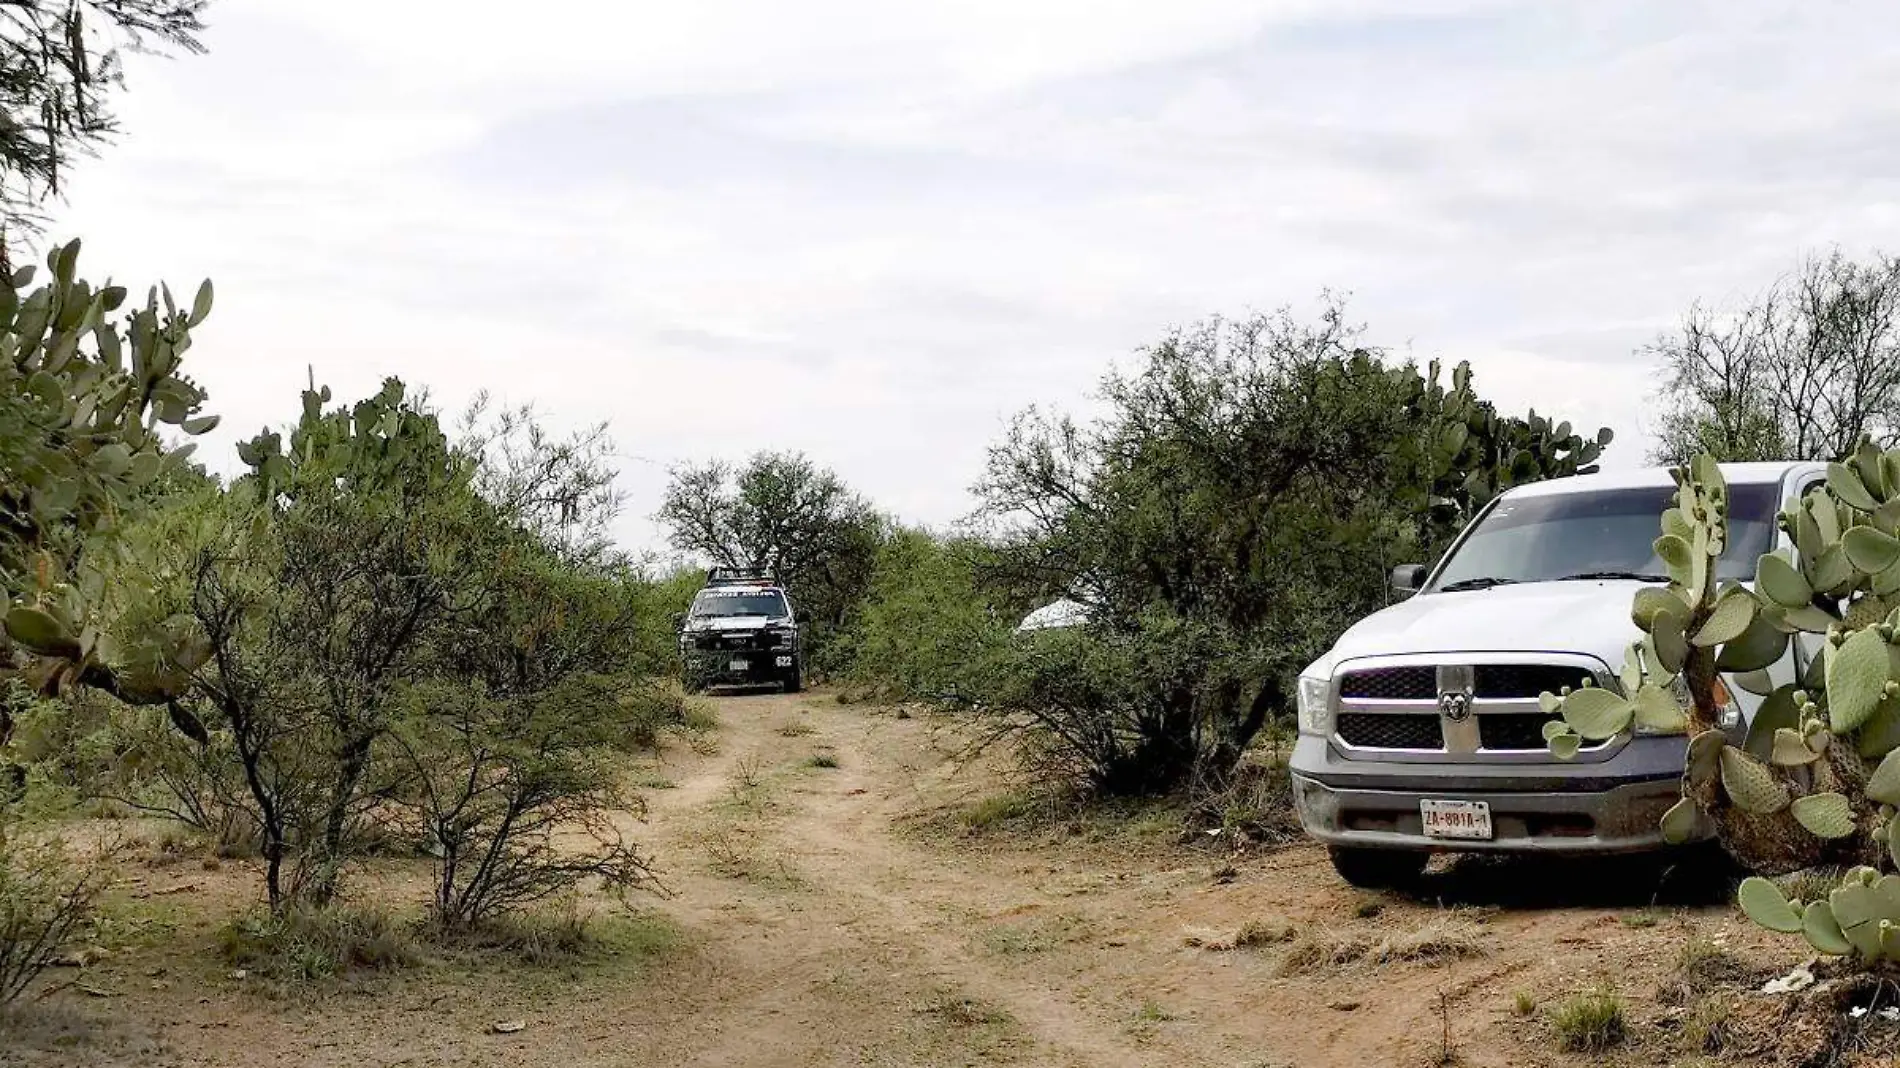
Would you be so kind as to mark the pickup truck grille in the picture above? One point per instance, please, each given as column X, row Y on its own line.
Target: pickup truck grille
column 1522, row 681
column 1396, row 708
column 1512, row 730
column 1377, row 731
column 735, row 640
column 1391, row 684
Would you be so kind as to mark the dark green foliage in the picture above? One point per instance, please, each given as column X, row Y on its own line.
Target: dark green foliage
column 1236, row 508
column 316, row 585
column 1129, row 711
column 783, row 512
column 928, row 618
column 663, row 597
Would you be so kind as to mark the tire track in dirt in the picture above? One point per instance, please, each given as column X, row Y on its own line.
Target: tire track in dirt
column 896, row 898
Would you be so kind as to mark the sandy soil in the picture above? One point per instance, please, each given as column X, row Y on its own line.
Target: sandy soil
column 847, row 916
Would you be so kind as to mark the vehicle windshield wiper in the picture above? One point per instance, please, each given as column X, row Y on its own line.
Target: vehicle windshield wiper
column 1475, row 584
column 1635, row 576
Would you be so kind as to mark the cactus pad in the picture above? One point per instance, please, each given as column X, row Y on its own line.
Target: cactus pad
column 1679, row 823
column 1824, row 815
column 1750, row 785
column 1764, row 903
column 1823, row 932
column 1857, row 674
column 1596, row 713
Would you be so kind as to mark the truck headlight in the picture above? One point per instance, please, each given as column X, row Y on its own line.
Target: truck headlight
column 1316, row 710
column 1730, row 716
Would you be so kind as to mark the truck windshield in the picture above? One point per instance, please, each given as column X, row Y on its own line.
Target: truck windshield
column 713, row 603
column 1599, row 534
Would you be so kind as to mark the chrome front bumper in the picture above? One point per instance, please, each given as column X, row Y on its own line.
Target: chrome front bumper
column 1622, row 820
column 1612, row 807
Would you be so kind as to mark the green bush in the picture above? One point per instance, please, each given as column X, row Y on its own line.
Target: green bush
column 490, row 781
column 1591, row 1021
column 366, row 572
column 926, row 620
column 1124, row 712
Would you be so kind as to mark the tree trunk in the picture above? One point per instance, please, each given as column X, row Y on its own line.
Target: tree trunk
column 1777, row 844
column 322, row 889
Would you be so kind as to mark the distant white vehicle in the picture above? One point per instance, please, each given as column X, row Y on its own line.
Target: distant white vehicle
column 1055, row 616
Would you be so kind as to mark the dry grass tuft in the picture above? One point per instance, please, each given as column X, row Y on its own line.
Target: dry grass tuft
column 960, row 1011
column 1707, row 1028
column 1263, row 933
column 1703, row 966
column 1811, row 884
column 1444, row 939
column 1251, row 935
column 309, row 945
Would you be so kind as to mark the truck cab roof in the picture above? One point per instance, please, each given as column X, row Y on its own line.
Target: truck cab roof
column 1754, row 474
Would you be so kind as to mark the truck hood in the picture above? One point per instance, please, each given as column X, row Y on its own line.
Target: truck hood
column 1587, row 617
column 725, row 623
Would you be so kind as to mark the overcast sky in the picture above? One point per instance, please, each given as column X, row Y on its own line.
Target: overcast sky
column 884, row 227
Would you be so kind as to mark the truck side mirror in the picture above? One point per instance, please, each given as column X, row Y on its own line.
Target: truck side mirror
column 679, row 621
column 1408, row 578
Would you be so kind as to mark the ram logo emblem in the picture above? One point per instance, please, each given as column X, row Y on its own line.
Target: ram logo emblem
column 1455, row 705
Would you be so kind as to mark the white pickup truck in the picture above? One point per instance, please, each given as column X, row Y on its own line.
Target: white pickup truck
column 1420, row 730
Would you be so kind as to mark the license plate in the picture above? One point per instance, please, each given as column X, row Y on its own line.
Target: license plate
column 784, row 661
column 739, row 665
column 1455, row 819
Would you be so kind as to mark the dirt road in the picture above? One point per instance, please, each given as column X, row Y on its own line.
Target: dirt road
column 830, row 908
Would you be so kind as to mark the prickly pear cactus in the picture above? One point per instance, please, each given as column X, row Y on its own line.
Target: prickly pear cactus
column 1470, row 453
column 1817, row 779
column 383, row 443
column 1860, row 918
column 87, row 395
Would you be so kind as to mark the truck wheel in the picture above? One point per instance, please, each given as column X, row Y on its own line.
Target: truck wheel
column 795, row 681
column 1378, row 869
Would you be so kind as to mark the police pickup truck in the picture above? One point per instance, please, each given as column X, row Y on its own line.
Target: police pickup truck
column 741, row 631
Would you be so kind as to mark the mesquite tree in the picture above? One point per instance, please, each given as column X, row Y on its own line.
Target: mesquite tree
column 1241, row 502
column 59, row 61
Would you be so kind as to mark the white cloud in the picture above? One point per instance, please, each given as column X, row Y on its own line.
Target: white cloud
column 892, row 225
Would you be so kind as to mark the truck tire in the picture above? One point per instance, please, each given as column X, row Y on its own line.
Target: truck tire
column 795, row 679
column 1378, row 869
